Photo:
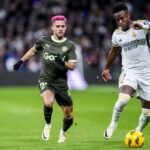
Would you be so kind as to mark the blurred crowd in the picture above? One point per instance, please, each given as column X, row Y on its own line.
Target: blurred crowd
column 90, row 25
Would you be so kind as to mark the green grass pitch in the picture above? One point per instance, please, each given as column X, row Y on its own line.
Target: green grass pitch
column 22, row 121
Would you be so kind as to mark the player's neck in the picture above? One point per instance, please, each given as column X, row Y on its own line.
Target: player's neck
column 129, row 26
column 131, row 22
column 57, row 39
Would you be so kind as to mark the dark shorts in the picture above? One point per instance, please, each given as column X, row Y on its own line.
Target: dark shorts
column 62, row 94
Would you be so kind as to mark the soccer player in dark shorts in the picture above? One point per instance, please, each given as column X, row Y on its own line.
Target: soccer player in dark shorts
column 57, row 56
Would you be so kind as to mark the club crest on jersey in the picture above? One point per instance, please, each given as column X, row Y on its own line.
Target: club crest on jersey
column 64, row 48
column 133, row 34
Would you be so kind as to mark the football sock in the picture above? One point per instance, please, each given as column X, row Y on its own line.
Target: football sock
column 67, row 123
column 118, row 108
column 48, row 114
column 143, row 121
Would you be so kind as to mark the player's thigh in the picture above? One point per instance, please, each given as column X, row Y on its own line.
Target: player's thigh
column 65, row 102
column 127, row 83
column 48, row 97
column 63, row 98
column 145, row 104
column 47, row 93
column 127, row 89
column 144, row 88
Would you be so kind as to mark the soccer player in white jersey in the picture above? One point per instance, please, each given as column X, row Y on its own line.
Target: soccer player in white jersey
column 130, row 39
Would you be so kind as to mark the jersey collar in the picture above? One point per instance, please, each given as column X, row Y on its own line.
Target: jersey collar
column 58, row 41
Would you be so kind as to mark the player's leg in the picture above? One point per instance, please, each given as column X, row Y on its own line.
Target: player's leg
column 144, row 95
column 65, row 102
column 67, row 122
column 127, row 87
column 68, row 117
column 123, row 98
column 145, row 115
column 48, row 97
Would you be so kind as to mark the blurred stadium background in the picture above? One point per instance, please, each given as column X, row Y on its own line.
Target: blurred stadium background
column 90, row 25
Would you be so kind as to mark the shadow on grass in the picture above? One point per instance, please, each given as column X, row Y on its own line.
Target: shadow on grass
column 105, row 145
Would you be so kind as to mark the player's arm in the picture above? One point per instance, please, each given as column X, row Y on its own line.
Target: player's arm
column 141, row 24
column 110, row 59
column 72, row 59
column 30, row 53
column 70, row 65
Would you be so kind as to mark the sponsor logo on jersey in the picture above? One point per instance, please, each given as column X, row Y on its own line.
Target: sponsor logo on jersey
column 49, row 56
column 133, row 44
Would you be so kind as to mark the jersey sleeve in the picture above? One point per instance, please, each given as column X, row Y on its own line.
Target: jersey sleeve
column 38, row 45
column 145, row 24
column 72, row 57
column 114, row 41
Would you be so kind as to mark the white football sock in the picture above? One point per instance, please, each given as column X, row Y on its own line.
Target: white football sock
column 118, row 108
column 143, row 121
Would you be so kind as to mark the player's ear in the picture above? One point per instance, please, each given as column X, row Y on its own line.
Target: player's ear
column 129, row 16
column 51, row 28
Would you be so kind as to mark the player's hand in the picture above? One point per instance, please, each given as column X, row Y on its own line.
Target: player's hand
column 17, row 65
column 106, row 75
column 143, row 25
column 137, row 26
column 59, row 60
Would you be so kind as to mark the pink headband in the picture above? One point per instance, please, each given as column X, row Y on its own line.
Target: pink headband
column 59, row 17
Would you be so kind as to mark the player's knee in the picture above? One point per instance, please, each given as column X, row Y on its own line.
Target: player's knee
column 49, row 103
column 122, row 101
column 68, row 114
column 146, row 112
column 124, row 97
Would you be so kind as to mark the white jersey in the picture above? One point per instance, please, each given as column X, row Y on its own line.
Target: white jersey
column 135, row 51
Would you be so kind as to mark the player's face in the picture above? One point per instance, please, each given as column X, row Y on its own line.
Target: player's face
column 123, row 19
column 59, row 28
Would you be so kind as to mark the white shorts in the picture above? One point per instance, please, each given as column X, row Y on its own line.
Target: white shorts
column 139, row 82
